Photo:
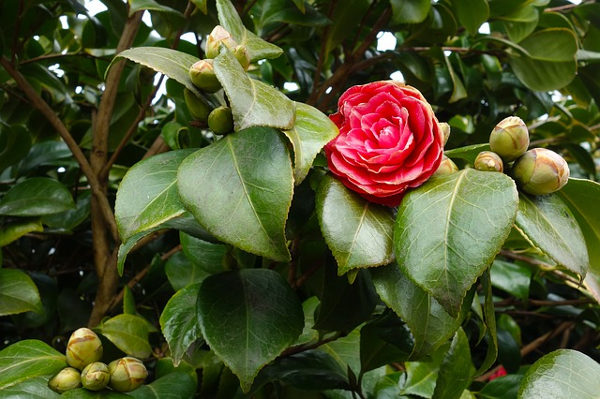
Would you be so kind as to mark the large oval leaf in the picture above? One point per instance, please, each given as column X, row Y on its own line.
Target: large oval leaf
column 35, row 197
column 177, row 385
column 28, row 359
column 248, row 317
column 182, row 272
column 240, row 190
column 208, row 256
column 129, row 333
column 549, row 224
column 564, row 373
column 253, row 103
column 358, row 232
column 449, row 230
column 33, row 388
column 179, row 322
column 18, row 293
column 456, row 369
column 429, row 323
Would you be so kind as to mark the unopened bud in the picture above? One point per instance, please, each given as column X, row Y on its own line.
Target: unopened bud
column 83, row 348
column 541, row 171
column 198, row 108
column 220, row 120
column 489, row 161
column 95, row 376
column 446, row 167
column 67, row 379
column 445, row 128
column 510, row 138
column 202, row 75
column 219, row 36
column 127, row 374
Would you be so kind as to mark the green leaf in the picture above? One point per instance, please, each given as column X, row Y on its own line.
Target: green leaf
column 15, row 142
column 384, row 340
column 512, row 278
column 147, row 196
column 471, row 13
column 346, row 16
column 253, row 103
column 521, row 23
column 505, row 387
column 429, row 323
column 35, row 197
column 309, row 306
column 468, row 153
column 409, row 11
column 129, row 333
column 449, row 230
column 32, row 388
column 456, row 369
column 208, row 256
column 28, row 359
column 458, row 88
column 248, row 317
column 82, row 393
column 177, row 385
column 346, row 351
column 139, row 5
column 548, row 223
column 18, row 293
column 257, row 47
column 564, row 373
column 182, row 272
column 358, row 232
column 14, row 231
column 179, row 322
column 489, row 317
column 311, row 131
column 174, row 64
column 253, row 204
column 201, row 5
column 67, row 221
column 421, row 376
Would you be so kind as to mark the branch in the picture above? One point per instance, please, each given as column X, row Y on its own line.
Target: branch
column 44, row 108
column 301, row 348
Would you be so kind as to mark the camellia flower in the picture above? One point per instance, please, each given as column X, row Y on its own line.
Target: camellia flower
column 389, row 141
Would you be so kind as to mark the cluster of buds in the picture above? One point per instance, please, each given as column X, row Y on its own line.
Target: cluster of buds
column 84, row 350
column 538, row 171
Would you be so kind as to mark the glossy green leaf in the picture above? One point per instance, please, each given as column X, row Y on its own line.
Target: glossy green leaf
column 82, row 393
column 309, row 307
column 208, row 256
column 68, row 220
column 471, row 13
column 16, row 230
column 201, row 5
column 421, row 376
column 458, row 88
column 505, row 387
column 512, row 278
column 15, row 142
column 35, row 197
column 358, row 232
column 32, row 388
column 456, row 369
column 177, row 385
column 489, row 317
column 257, row 47
column 429, row 323
column 449, row 230
column 312, row 130
column 139, row 5
column 409, row 11
column 179, row 322
column 129, row 333
column 549, row 224
column 174, row 64
column 345, row 17
column 253, row 204
column 564, row 373
column 248, row 317
column 28, row 359
column 182, row 272
column 468, row 153
column 346, row 351
column 18, row 293
column 384, row 340
column 253, row 102
column 520, row 23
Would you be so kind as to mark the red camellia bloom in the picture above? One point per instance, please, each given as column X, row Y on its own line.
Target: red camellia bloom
column 389, row 141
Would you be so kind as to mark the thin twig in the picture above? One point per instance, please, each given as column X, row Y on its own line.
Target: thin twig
column 301, row 348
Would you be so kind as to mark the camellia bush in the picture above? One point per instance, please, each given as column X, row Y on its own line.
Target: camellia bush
column 300, row 199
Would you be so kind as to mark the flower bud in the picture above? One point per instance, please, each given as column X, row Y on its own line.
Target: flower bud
column 489, row 161
column 541, row 171
column 127, row 374
column 445, row 128
column 83, row 348
column 510, row 138
column 95, row 376
column 202, row 75
column 67, row 379
column 220, row 120
column 241, row 53
column 446, row 167
column 219, row 36
column 198, row 108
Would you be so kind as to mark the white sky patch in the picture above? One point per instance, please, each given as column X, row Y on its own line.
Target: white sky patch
column 189, row 37
column 94, row 6
column 557, row 96
column 291, row 86
column 397, row 76
column 575, row 1
column 162, row 89
column 56, row 69
column 146, row 18
column 63, row 22
column 447, row 53
column 61, row 169
column 386, row 41
column 484, row 28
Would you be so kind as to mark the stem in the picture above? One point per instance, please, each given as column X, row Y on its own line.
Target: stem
column 301, row 348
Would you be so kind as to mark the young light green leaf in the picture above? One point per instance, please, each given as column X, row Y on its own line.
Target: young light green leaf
column 179, row 322
column 176, row 385
column 231, row 21
column 253, row 103
column 14, row 231
column 240, row 189
column 129, row 333
column 471, row 13
column 312, row 130
column 429, row 323
column 358, row 232
column 174, row 64
column 139, row 5
column 18, row 293
column 449, row 230
column 564, row 373
column 35, row 197
column 456, row 369
column 28, row 359
column 548, row 223
column 248, row 317
column 468, row 153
